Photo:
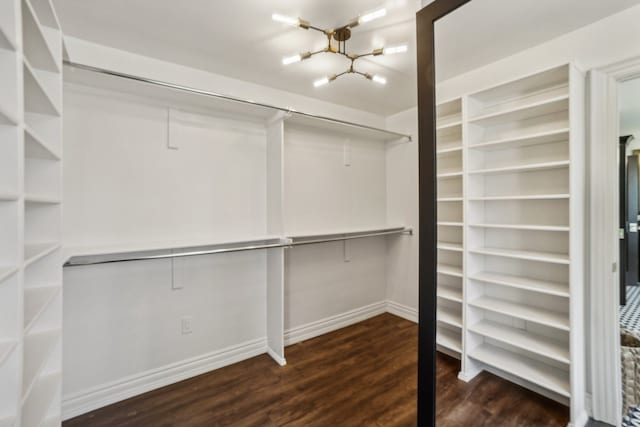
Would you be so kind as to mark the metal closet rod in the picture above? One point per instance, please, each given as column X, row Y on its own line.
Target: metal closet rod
column 227, row 97
column 87, row 259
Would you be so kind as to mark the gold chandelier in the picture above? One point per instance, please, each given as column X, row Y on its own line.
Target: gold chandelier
column 337, row 44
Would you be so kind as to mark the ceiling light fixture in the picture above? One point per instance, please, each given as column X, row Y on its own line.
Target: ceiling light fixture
column 337, row 43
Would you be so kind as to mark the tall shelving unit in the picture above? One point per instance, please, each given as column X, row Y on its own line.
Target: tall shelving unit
column 522, row 164
column 30, row 214
column 450, row 227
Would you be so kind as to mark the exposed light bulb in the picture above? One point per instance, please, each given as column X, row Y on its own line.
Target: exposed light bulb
column 395, row 49
column 321, row 82
column 285, row 19
column 368, row 17
column 291, row 59
column 379, row 79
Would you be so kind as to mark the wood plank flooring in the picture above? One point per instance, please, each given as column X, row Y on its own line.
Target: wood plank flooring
column 363, row 375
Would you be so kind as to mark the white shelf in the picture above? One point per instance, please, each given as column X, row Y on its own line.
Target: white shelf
column 34, row 252
column 38, row 349
column 6, row 272
column 449, row 339
column 36, row 199
column 452, row 119
column 36, row 147
column 522, row 112
column 7, row 196
column 449, row 224
column 550, row 257
column 307, row 234
column 36, row 301
column 449, row 199
column 549, row 377
column 448, row 246
column 525, row 312
column 530, row 227
column 450, row 125
column 7, row 118
column 447, row 150
column 523, row 340
column 522, row 168
column 37, row 403
column 523, row 141
column 6, row 42
column 449, row 270
column 520, row 197
column 6, row 348
column 36, row 44
column 449, row 293
column 449, row 316
column 449, row 175
column 539, row 286
column 37, row 100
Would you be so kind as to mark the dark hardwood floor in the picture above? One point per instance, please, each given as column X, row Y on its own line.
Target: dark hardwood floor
column 363, row 375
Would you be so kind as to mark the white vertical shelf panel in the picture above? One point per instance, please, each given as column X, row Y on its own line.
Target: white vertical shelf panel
column 523, row 279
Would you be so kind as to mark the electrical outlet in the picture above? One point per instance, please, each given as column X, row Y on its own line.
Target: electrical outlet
column 187, row 325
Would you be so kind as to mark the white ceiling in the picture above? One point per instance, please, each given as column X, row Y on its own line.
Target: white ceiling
column 238, row 38
column 629, row 107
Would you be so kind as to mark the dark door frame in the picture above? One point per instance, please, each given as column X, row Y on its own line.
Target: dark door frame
column 428, row 256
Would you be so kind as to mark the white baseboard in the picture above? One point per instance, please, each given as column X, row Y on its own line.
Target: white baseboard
column 403, row 311
column 329, row 324
column 106, row 394
column 279, row 360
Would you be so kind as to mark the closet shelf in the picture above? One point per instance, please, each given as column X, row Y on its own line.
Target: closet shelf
column 532, row 285
column 7, row 196
column 7, row 42
column 308, row 234
column 524, row 340
column 36, row 404
column 180, row 95
column 448, row 246
column 36, row 199
column 36, row 44
column 7, row 118
column 447, row 150
column 449, row 199
column 522, row 112
column 449, row 316
column 38, row 348
column 449, row 175
column 46, row 14
column 37, row 99
column 549, row 377
column 522, row 168
column 36, row 147
column 36, row 302
column 560, row 135
column 449, row 125
column 6, row 272
column 450, row 293
column 34, row 252
column 522, row 311
column 520, row 197
column 6, row 348
column 449, row 224
column 449, row 270
column 530, row 227
column 549, row 257
column 449, row 339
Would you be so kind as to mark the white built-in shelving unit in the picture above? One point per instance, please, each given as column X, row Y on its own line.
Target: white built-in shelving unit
column 30, row 214
column 511, row 208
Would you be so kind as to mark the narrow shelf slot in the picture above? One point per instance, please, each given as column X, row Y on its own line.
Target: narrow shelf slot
column 522, row 311
column 6, row 348
column 528, row 369
column 539, row 286
column 449, row 293
column 37, row 47
column 34, row 252
column 522, row 112
column 524, row 340
column 36, row 147
column 448, row 246
column 523, row 141
column 522, row 168
column 37, row 403
column 449, row 339
column 37, row 100
column 38, row 349
column 449, row 316
column 36, row 301
column 550, row 257
column 529, row 227
column 450, row 270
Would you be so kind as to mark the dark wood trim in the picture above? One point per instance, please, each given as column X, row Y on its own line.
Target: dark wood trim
column 428, row 256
